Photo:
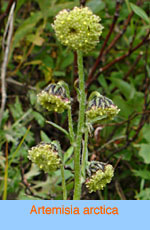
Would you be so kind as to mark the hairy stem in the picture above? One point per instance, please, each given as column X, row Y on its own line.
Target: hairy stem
column 85, row 154
column 80, row 129
column 63, row 183
column 70, row 124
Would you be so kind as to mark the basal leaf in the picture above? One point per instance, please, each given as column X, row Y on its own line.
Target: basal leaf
column 145, row 152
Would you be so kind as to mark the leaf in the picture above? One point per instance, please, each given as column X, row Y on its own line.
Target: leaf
column 19, row 4
column 16, row 109
column 68, row 154
column 26, row 27
column 103, row 83
column 44, row 6
column 33, row 97
column 67, row 175
column 125, row 88
column 145, row 152
column 35, row 39
column 34, row 171
column 96, row 6
column 125, row 109
column 13, row 155
column 59, row 74
column 48, row 8
column 44, row 137
column 34, row 62
column 146, row 132
column 140, row 12
column 65, row 5
column 144, row 194
column 39, row 118
column 48, row 61
column 5, row 117
column 144, row 174
column 67, row 60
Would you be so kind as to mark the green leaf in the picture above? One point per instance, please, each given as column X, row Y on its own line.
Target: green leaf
column 103, row 83
column 44, row 6
column 39, row 118
column 5, row 117
column 35, row 39
column 125, row 88
column 44, row 137
column 33, row 97
column 145, row 152
column 96, row 6
column 18, row 5
column 144, row 194
column 16, row 109
column 48, row 8
column 125, row 109
column 26, row 27
column 68, row 154
column 67, row 60
column 59, row 74
column 144, row 174
column 34, row 171
column 140, row 12
column 146, row 132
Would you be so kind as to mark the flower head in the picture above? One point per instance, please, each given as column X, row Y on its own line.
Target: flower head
column 54, row 98
column 79, row 29
column 100, row 106
column 100, row 175
column 46, row 156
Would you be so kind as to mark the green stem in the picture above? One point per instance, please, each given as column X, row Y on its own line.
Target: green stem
column 70, row 124
column 58, row 127
column 80, row 129
column 19, row 146
column 62, row 171
column 63, row 183
column 85, row 154
column 6, row 174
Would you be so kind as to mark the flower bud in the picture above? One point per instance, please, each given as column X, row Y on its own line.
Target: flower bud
column 46, row 156
column 79, row 29
column 100, row 106
column 54, row 98
column 100, row 174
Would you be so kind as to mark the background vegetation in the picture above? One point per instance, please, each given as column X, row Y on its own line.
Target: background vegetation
column 119, row 68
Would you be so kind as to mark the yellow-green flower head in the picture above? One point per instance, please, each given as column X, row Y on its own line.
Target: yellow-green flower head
column 101, row 174
column 45, row 156
column 79, row 29
column 100, row 106
column 53, row 98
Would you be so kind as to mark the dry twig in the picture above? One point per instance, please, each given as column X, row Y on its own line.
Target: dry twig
column 9, row 31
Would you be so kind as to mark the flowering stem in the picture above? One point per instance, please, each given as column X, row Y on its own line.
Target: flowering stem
column 70, row 124
column 80, row 129
column 85, row 154
column 63, row 183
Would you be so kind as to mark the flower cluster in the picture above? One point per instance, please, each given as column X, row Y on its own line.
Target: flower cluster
column 54, row 98
column 100, row 106
column 46, row 156
column 79, row 29
column 100, row 175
